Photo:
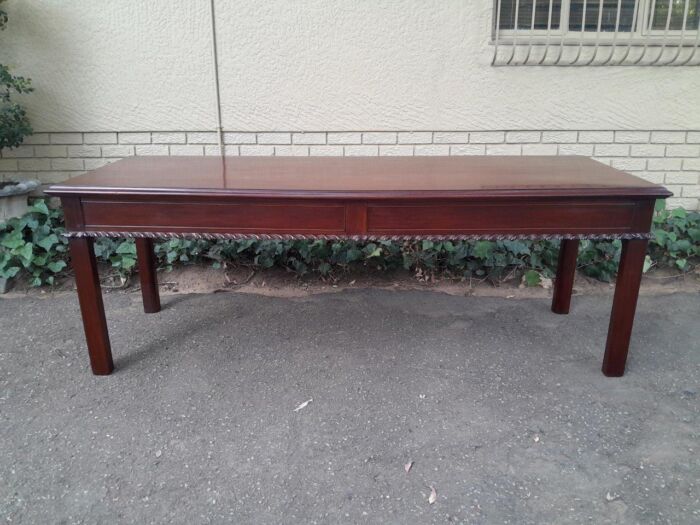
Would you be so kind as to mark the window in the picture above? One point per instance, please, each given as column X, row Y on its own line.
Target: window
column 672, row 26
column 571, row 13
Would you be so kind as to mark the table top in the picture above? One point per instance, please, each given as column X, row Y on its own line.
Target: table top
column 361, row 177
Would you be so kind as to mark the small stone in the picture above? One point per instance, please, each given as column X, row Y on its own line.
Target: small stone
column 612, row 497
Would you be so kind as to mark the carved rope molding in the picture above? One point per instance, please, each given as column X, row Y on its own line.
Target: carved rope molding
column 357, row 238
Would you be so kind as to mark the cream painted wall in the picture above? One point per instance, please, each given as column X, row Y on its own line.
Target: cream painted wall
column 103, row 65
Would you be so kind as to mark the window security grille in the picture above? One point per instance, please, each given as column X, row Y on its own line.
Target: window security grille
column 596, row 33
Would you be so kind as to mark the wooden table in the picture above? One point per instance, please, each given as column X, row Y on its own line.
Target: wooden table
column 362, row 198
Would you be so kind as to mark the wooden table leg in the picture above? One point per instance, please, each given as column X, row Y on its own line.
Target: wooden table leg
column 147, row 274
column 564, row 281
column 629, row 277
column 91, row 306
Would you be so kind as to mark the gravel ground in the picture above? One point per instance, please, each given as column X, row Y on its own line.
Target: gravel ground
column 499, row 404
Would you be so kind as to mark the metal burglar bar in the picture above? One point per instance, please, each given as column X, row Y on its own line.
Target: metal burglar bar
column 596, row 33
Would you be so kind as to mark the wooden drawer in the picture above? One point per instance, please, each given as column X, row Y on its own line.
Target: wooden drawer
column 229, row 217
column 466, row 218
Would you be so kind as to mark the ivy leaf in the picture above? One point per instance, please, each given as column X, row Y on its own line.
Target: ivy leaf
column 683, row 245
column 532, row 278
column 660, row 237
column 681, row 263
column 483, row 249
column 28, row 221
column 694, row 234
column 128, row 262
column 56, row 266
column 10, row 272
column 25, row 252
column 47, row 242
column 679, row 213
column 39, row 207
column 126, row 248
column 13, row 241
column 353, row 254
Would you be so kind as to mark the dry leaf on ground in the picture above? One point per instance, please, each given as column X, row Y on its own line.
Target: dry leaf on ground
column 433, row 495
column 303, row 405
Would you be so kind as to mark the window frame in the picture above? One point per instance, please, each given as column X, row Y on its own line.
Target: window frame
column 641, row 33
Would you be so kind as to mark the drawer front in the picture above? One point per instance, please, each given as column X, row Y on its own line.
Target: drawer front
column 500, row 217
column 233, row 217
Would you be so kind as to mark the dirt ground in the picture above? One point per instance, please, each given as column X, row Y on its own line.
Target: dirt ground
column 280, row 283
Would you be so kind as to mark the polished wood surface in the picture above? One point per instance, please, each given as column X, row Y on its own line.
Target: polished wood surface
column 91, row 307
column 361, row 177
column 629, row 277
column 147, row 275
column 566, row 198
column 566, row 272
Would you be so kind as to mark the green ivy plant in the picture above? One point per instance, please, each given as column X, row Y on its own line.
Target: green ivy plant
column 676, row 240
column 34, row 245
column 14, row 123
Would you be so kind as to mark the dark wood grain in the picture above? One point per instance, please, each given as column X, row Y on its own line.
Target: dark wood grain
column 361, row 198
column 629, row 277
column 147, row 275
column 361, row 177
column 91, row 307
column 566, row 272
column 412, row 217
column 526, row 216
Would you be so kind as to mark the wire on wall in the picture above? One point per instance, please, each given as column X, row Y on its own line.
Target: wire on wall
column 217, row 89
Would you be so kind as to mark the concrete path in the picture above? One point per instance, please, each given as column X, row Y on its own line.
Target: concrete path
column 499, row 404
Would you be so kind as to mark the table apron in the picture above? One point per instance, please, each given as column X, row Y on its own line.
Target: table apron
column 324, row 218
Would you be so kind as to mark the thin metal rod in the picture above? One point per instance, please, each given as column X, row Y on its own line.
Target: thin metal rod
column 498, row 31
column 583, row 29
column 532, row 32
column 564, row 14
column 632, row 29
column 680, row 44
column 695, row 46
column 597, row 34
column 650, row 21
column 515, row 32
column 217, row 89
column 668, row 24
column 549, row 31
column 617, row 28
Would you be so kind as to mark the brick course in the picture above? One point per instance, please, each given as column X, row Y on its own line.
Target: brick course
column 671, row 158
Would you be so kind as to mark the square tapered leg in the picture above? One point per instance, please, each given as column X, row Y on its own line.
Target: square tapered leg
column 147, row 274
column 91, row 305
column 564, row 281
column 629, row 277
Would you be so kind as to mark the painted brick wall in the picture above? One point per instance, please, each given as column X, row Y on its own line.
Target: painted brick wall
column 671, row 158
